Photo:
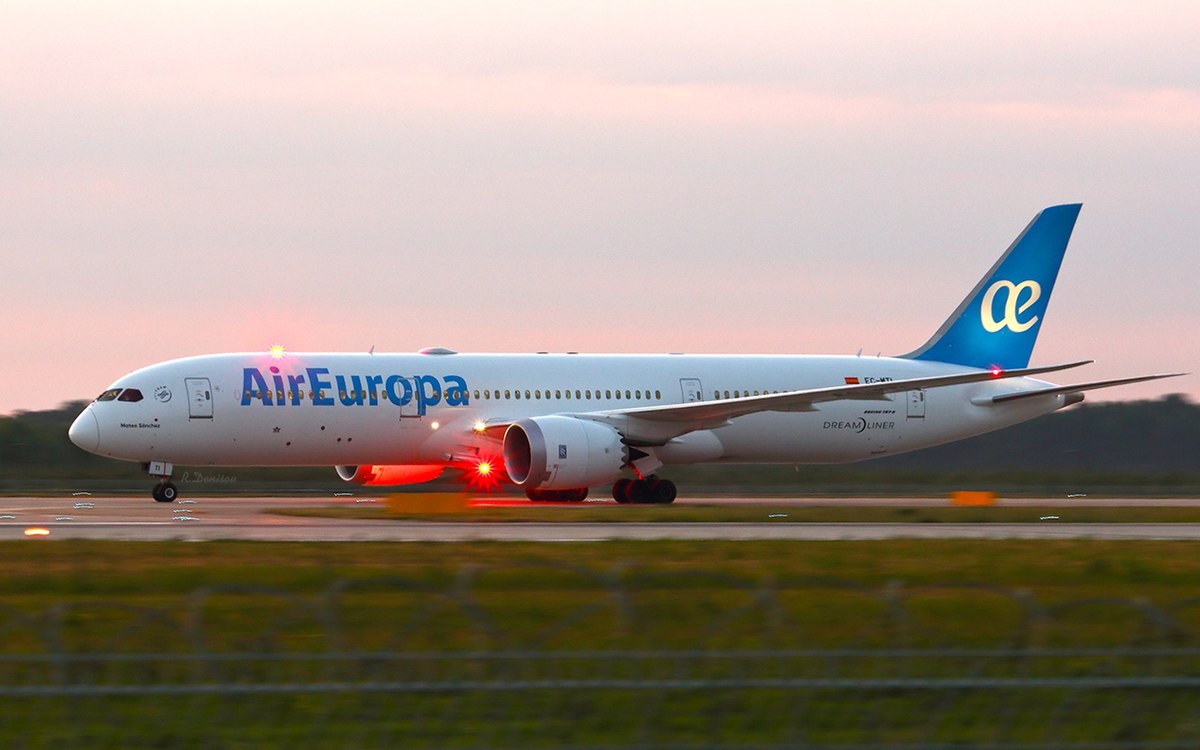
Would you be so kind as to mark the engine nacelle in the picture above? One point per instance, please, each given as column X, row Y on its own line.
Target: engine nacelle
column 558, row 453
column 390, row 475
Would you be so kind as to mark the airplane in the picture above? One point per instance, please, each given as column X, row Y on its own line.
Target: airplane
column 558, row 425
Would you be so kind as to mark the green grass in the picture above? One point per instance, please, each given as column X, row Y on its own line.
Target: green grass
column 661, row 598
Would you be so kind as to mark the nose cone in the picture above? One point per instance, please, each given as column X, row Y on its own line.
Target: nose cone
column 85, row 432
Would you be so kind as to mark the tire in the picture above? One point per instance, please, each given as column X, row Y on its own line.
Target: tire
column 577, row 495
column 166, row 493
column 664, row 492
column 621, row 491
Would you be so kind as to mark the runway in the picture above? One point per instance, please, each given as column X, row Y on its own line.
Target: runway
column 211, row 518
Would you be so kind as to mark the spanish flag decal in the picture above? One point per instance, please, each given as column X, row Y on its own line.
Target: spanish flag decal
column 851, row 381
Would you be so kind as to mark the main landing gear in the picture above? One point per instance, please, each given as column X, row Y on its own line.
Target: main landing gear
column 648, row 491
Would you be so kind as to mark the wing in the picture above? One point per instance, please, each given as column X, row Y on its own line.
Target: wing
column 1017, row 395
column 655, row 425
column 725, row 409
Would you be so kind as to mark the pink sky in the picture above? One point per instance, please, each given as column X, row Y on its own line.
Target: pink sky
column 189, row 178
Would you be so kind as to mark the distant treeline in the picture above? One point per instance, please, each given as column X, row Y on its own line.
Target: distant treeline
column 1138, row 447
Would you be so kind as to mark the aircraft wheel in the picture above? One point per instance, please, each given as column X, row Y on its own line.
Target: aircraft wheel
column 621, row 490
column 663, row 491
column 165, row 492
column 577, row 495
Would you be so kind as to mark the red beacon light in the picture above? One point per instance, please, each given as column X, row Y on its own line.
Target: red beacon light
column 486, row 475
column 997, row 371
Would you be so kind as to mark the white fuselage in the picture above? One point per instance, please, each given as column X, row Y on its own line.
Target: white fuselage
column 253, row 409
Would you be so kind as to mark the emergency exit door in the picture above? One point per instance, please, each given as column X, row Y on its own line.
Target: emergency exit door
column 692, row 390
column 200, row 402
column 916, row 404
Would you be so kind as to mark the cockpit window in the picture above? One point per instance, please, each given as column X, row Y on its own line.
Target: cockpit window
column 108, row 395
column 130, row 394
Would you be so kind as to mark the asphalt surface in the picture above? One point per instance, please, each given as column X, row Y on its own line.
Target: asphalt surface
column 208, row 518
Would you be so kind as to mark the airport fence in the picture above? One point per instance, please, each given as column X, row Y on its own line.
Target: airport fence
column 575, row 658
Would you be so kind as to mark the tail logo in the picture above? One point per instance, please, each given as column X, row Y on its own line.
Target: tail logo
column 1013, row 306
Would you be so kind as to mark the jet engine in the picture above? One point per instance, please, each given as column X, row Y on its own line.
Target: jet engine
column 557, row 452
column 390, row 475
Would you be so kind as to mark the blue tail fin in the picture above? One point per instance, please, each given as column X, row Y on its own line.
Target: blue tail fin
column 998, row 322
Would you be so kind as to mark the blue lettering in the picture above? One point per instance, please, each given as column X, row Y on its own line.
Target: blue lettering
column 295, row 385
column 254, row 386
column 280, row 401
column 319, row 386
column 456, row 391
column 429, row 392
column 424, row 391
column 352, row 396
column 373, row 383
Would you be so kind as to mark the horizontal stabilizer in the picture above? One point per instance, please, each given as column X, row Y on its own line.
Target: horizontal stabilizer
column 1079, row 388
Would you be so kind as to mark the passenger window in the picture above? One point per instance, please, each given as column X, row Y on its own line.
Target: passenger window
column 557, row 393
column 537, row 393
column 577, row 395
column 626, row 393
column 507, row 393
column 526, row 393
column 658, row 395
column 638, row 395
column 568, row 395
column 109, row 395
column 518, row 394
column 588, row 393
column 130, row 394
column 607, row 394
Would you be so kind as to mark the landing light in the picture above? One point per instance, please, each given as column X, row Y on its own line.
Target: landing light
column 277, row 351
column 483, row 469
column 37, row 531
column 434, row 425
column 479, row 425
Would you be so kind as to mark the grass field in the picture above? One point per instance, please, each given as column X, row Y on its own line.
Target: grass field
column 38, row 574
column 702, row 614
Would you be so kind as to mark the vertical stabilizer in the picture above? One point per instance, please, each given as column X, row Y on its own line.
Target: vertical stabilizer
column 998, row 322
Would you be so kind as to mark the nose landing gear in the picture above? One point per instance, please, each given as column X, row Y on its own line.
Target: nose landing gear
column 164, row 491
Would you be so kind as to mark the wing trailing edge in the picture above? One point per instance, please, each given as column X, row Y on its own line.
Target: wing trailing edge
column 1080, row 388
